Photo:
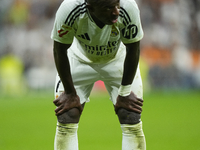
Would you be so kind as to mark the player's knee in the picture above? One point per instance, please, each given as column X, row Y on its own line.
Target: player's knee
column 71, row 116
column 128, row 117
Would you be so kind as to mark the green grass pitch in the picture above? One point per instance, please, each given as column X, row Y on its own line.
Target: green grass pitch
column 170, row 120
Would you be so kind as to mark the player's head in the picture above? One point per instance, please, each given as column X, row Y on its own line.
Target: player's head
column 105, row 11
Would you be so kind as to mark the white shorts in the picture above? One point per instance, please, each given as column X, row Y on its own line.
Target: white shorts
column 85, row 75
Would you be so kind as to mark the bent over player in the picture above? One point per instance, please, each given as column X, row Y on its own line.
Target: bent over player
column 98, row 40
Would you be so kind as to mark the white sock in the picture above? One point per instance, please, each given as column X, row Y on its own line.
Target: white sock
column 66, row 137
column 133, row 137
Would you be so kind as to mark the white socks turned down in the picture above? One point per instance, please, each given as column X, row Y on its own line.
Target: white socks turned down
column 66, row 137
column 132, row 137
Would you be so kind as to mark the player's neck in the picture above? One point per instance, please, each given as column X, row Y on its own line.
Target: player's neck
column 97, row 21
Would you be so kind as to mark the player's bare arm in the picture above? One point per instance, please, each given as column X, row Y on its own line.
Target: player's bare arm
column 130, row 102
column 131, row 62
column 68, row 99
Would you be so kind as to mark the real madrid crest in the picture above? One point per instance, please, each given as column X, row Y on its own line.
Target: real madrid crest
column 114, row 31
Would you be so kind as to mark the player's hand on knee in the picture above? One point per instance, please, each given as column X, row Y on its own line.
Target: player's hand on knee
column 66, row 102
column 130, row 102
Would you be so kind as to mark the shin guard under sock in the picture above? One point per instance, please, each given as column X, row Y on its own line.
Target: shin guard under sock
column 133, row 137
column 66, row 137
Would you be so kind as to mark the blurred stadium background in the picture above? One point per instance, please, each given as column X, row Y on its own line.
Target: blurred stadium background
column 170, row 68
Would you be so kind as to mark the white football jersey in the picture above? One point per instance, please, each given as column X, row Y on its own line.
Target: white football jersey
column 91, row 44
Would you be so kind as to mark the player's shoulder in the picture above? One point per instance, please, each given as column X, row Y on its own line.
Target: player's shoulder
column 71, row 9
column 72, row 5
column 128, row 10
column 128, row 5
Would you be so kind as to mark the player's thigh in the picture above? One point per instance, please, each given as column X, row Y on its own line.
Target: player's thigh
column 113, row 80
column 84, row 77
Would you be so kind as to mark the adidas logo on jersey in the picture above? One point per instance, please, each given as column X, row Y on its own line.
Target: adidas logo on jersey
column 84, row 36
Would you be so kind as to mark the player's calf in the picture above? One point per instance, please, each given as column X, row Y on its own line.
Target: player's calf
column 128, row 117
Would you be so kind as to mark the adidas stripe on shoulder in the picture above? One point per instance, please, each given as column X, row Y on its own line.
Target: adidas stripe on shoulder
column 123, row 13
column 75, row 13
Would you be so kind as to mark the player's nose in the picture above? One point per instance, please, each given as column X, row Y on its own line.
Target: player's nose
column 115, row 11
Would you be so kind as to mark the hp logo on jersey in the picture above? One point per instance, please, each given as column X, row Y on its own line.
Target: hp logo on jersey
column 130, row 31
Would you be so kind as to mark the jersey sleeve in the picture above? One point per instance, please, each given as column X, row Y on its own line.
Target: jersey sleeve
column 62, row 32
column 132, row 29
